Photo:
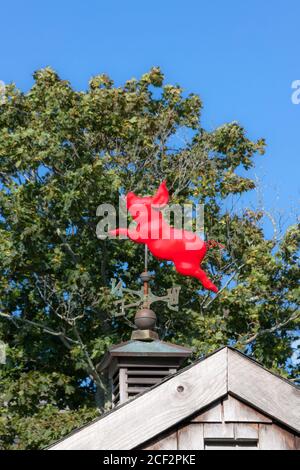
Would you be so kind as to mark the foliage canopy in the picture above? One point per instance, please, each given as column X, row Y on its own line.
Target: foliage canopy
column 62, row 153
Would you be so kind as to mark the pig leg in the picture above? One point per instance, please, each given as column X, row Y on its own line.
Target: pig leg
column 189, row 269
column 119, row 231
column 205, row 281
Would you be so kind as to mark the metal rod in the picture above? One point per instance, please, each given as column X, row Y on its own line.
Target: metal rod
column 146, row 290
column 146, row 258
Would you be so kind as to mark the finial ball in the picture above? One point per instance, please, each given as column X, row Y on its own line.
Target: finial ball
column 145, row 319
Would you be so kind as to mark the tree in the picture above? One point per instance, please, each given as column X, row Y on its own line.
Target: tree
column 62, row 153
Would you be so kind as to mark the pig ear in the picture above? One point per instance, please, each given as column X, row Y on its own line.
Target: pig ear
column 161, row 197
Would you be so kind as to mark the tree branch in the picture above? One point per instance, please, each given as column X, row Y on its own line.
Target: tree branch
column 224, row 287
column 276, row 327
column 67, row 247
column 93, row 371
column 46, row 329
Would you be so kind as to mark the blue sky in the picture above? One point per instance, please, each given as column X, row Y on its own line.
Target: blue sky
column 240, row 57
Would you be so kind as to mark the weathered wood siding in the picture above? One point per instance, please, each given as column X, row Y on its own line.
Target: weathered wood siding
column 264, row 414
column 254, row 384
column 227, row 424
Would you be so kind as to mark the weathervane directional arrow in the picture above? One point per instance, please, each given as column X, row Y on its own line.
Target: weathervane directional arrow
column 145, row 299
column 145, row 296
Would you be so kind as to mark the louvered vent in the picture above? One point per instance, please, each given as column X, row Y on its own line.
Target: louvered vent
column 130, row 381
column 115, row 389
column 135, row 366
column 140, row 379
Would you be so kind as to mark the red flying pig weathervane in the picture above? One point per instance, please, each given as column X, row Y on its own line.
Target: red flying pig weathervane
column 183, row 247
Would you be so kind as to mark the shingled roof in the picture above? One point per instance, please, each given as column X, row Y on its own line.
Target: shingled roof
column 227, row 371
